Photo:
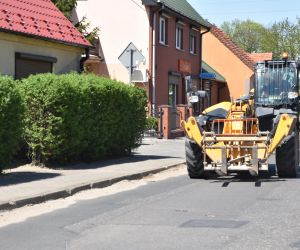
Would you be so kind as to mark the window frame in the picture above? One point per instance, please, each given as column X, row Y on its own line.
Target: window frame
column 172, row 97
column 173, row 83
column 162, row 30
column 179, row 36
column 193, row 42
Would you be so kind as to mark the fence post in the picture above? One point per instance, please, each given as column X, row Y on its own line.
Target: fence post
column 165, row 121
column 183, row 111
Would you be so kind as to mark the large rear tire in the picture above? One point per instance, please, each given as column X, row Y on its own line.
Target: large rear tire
column 287, row 157
column 194, row 160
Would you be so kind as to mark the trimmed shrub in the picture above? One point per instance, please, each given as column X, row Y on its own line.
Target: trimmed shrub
column 81, row 117
column 11, row 116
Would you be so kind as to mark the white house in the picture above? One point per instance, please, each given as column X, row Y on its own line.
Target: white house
column 121, row 22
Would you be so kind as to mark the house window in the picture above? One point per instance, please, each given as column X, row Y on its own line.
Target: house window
column 172, row 95
column 174, row 80
column 193, row 40
column 179, row 36
column 28, row 64
column 163, row 28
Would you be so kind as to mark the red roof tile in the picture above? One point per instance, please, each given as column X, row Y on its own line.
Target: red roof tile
column 239, row 52
column 39, row 18
column 259, row 57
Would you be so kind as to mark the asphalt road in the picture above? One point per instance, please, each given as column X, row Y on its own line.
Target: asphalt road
column 176, row 213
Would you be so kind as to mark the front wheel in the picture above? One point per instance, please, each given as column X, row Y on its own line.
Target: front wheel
column 287, row 157
column 194, row 159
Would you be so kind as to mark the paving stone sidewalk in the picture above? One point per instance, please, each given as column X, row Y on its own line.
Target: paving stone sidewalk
column 30, row 185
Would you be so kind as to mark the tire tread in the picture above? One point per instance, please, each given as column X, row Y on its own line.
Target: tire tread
column 287, row 157
column 194, row 160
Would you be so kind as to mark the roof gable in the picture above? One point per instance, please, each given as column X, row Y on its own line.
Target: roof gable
column 236, row 50
column 39, row 18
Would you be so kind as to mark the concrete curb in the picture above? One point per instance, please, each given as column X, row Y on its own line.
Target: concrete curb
column 54, row 195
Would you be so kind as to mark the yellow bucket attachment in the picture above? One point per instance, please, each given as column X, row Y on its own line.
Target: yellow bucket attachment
column 285, row 127
column 192, row 130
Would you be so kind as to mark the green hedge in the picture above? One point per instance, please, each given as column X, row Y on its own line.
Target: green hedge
column 11, row 116
column 75, row 117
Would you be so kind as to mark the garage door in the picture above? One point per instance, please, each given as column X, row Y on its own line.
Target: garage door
column 28, row 64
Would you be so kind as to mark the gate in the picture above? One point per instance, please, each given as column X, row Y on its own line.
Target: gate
column 175, row 118
column 169, row 121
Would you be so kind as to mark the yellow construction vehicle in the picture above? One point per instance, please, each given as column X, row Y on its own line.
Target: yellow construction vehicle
column 241, row 135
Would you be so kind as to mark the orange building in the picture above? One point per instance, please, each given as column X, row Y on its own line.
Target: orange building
column 230, row 61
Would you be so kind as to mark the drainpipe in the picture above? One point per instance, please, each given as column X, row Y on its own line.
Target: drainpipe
column 201, row 35
column 200, row 66
column 153, row 61
column 84, row 59
column 154, row 58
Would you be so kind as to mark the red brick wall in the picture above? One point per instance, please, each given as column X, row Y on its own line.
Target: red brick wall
column 167, row 59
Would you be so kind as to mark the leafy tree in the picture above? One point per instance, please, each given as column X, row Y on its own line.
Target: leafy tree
column 281, row 36
column 84, row 26
column 65, row 6
column 247, row 34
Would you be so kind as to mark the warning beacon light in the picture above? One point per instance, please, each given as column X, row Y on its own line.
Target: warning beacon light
column 285, row 55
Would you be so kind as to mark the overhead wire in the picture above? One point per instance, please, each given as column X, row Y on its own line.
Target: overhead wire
column 137, row 4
